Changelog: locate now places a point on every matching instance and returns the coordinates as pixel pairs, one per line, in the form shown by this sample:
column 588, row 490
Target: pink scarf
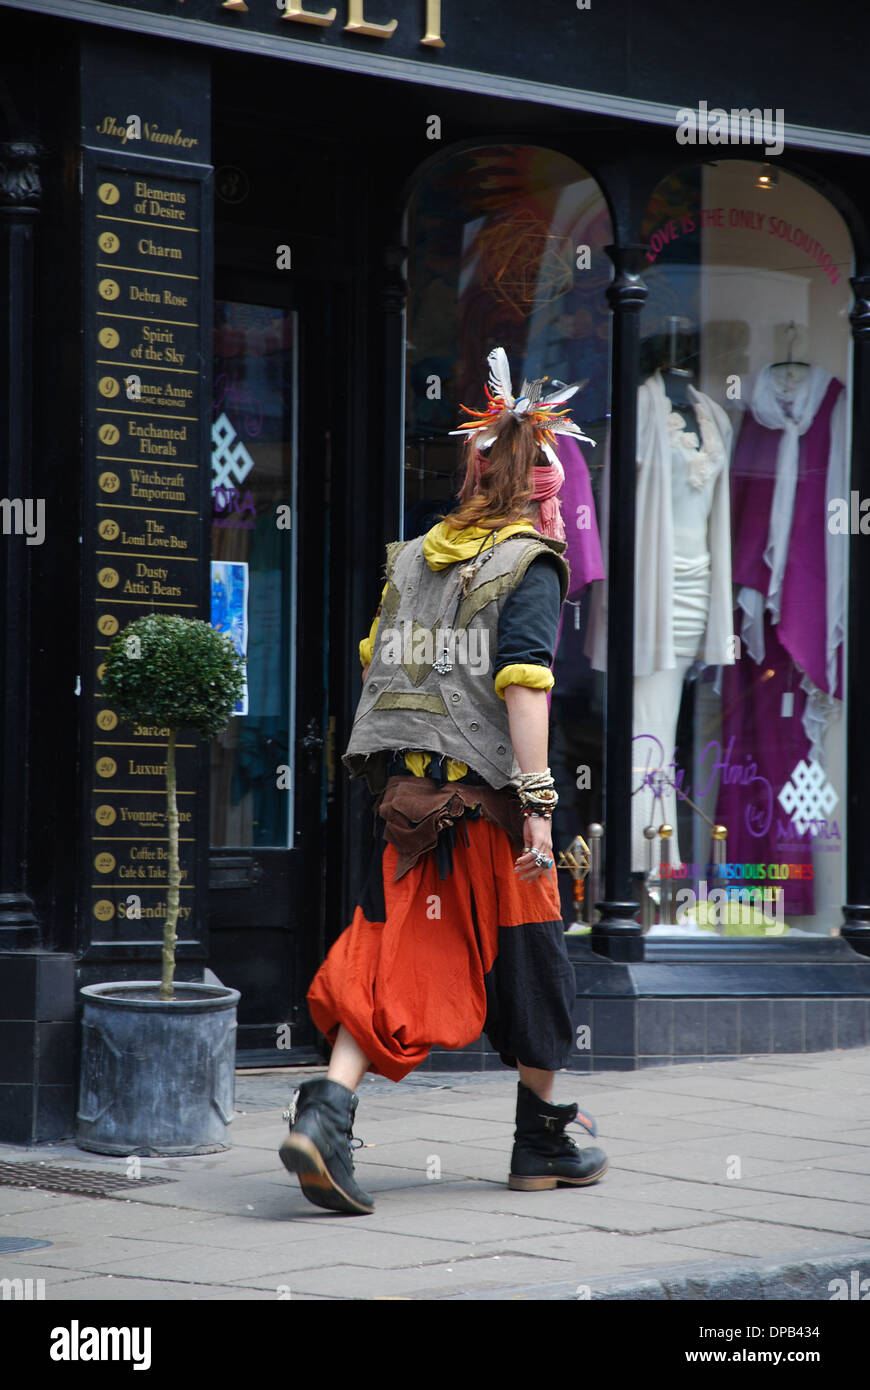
column 548, row 482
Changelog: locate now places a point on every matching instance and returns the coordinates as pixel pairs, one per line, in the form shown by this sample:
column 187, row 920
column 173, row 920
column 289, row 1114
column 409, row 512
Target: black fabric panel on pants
column 371, row 899
column 530, row 997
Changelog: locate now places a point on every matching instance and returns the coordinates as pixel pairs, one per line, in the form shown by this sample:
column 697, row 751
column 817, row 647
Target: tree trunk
column 169, row 936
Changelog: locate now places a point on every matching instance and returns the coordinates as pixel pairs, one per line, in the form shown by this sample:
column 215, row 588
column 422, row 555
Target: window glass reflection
column 741, row 559
column 252, row 572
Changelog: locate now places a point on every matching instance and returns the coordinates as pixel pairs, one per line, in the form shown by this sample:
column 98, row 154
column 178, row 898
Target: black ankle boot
column 543, row 1155
column 318, row 1148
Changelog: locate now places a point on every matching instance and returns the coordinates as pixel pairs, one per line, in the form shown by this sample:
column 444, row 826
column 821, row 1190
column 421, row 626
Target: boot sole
column 518, row 1184
column 300, row 1156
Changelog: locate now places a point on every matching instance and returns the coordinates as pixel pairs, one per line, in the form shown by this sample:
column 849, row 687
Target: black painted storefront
column 325, row 132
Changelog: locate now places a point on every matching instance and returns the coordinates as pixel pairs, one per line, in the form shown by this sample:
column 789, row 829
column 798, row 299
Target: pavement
column 743, row 1179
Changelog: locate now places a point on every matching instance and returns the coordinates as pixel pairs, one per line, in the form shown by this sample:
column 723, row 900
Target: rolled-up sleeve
column 527, row 629
column 367, row 645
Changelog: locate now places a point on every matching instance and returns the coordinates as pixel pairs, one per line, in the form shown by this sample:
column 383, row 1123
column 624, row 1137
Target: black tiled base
column 38, row 1048
column 627, row 1034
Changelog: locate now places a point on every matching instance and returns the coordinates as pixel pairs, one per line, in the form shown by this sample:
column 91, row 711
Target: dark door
column 270, row 478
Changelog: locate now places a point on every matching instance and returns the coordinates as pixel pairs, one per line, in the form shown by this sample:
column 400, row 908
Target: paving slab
column 755, row 1238
column 815, row 1181
column 112, row 1289
column 461, row 1223
column 827, row 1218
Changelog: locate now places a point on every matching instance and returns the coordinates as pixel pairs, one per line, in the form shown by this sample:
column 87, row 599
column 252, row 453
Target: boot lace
column 290, row 1112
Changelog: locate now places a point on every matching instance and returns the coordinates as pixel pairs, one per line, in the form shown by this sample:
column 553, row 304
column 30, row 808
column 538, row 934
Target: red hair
column 499, row 494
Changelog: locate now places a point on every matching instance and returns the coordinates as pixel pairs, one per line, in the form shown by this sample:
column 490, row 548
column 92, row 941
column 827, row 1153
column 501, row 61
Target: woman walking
column 458, row 929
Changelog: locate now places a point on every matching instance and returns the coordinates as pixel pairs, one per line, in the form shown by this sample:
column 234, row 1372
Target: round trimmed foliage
column 177, row 672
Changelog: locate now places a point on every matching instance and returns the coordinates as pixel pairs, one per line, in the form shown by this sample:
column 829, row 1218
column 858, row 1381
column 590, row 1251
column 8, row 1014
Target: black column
column 19, row 209
column 394, row 293
column 617, row 934
column 856, row 911
column 37, row 1034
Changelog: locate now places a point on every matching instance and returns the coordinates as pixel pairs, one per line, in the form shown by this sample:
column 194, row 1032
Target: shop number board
column 143, row 325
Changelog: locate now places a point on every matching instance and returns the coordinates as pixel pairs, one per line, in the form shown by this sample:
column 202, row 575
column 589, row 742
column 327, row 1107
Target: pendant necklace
column 467, row 573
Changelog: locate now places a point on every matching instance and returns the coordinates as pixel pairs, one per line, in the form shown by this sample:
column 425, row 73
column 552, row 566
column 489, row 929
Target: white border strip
column 410, row 70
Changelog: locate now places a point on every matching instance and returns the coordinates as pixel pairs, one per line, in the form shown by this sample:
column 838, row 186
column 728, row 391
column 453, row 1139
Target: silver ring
column 542, row 860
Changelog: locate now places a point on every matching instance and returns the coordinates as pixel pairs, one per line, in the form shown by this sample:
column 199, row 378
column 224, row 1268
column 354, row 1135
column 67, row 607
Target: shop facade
column 253, row 262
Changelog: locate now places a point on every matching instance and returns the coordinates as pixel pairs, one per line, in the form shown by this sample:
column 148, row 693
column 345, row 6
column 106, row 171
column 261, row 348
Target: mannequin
column 682, row 572
column 698, row 458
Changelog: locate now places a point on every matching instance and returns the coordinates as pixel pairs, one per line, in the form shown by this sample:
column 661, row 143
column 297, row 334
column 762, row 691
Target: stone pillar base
column 39, row 1047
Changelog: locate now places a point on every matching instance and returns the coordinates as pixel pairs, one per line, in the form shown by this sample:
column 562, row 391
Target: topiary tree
column 181, row 674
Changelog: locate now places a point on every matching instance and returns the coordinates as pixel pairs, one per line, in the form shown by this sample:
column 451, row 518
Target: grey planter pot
column 157, row 1077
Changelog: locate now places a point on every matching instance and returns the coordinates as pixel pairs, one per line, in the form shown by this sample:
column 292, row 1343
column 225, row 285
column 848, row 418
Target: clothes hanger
column 792, row 331
column 677, row 379
column 676, row 325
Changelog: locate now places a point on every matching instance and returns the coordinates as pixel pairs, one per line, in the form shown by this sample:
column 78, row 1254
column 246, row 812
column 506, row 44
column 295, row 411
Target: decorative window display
column 742, row 506
column 741, row 557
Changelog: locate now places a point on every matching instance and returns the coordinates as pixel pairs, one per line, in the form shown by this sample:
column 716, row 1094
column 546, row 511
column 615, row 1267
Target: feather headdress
column 541, row 409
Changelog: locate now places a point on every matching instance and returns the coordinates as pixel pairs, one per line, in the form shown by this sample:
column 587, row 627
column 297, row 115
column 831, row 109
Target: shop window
column 253, row 462
column 506, row 248
column 742, row 540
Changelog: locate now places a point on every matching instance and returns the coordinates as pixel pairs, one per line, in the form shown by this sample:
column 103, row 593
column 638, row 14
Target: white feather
column 500, row 376
column 559, row 396
column 568, row 427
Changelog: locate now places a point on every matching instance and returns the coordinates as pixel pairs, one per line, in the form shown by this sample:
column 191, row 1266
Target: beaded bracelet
column 544, row 798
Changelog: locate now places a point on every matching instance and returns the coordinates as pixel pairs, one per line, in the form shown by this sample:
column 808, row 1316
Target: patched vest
column 430, row 685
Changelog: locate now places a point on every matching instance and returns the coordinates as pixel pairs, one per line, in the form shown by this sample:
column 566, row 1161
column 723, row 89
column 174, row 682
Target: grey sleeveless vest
column 430, row 682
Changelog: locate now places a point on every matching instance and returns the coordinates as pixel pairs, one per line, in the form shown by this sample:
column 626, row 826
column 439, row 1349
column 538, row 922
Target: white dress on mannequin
column 695, row 468
column 682, row 582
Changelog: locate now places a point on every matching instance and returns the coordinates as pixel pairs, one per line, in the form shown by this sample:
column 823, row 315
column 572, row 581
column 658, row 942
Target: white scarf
column 793, row 415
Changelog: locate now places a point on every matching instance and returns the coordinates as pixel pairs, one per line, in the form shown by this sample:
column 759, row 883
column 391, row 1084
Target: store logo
column 739, row 126
column 230, row 505
column 808, row 797
column 230, row 461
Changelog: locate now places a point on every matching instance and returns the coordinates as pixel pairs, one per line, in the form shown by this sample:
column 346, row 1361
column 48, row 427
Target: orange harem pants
column 447, row 959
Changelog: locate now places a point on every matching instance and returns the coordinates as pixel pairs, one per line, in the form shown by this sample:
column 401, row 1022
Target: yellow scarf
column 443, row 546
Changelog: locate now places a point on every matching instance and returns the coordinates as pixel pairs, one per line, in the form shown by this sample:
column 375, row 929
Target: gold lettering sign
column 303, row 16
column 432, row 37
column 357, row 23
column 356, row 20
